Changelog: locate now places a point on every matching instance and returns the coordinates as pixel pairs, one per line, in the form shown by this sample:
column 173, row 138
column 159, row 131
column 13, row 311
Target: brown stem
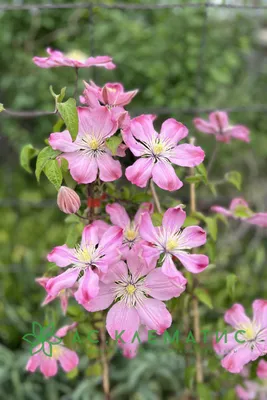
column 105, row 364
column 196, row 318
column 155, row 196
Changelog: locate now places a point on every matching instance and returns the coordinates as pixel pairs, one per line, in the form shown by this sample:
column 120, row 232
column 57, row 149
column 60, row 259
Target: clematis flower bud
column 68, row 201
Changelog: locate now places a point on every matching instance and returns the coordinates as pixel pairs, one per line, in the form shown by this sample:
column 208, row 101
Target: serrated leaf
column 231, row 280
column 1, row 107
column 69, row 114
column 203, row 296
column 26, row 154
column 212, row 227
column 113, row 144
column 45, row 155
column 53, row 172
column 235, row 178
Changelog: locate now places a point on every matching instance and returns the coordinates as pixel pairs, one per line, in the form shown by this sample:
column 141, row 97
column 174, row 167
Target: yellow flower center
column 85, row 254
column 171, row 244
column 158, row 148
column 130, row 289
column 56, row 351
column 111, row 89
column 93, row 143
column 250, row 334
column 130, row 234
column 77, row 55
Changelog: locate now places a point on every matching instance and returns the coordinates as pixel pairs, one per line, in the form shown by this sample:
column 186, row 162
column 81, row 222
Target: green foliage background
column 162, row 53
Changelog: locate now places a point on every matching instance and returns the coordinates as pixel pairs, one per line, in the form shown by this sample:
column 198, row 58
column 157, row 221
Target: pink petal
column 62, row 281
column 238, row 357
column 103, row 300
column 126, row 97
column 144, row 207
column 122, row 317
column 96, row 121
column 221, row 210
column 236, row 316
column 33, row 363
column 64, row 299
column 169, row 268
column 219, row 119
column 221, row 347
column 187, row 155
column 111, row 239
column 161, row 287
column 194, row 263
column 118, row 215
column 147, row 229
column 136, row 148
column 62, row 141
column 140, row 172
column 154, row 314
column 116, row 272
column 173, row 219
column 246, row 394
column 238, row 201
column 90, row 235
column 42, row 281
column 204, row 126
column 68, row 359
column 109, row 169
column 259, row 219
column 88, row 287
column 142, row 128
column 137, row 265
column 62, row 256
column 48, row 366
column 165, row 177
column 240, row 132
column 192, row 236
column 101, row 226
column 61, row 332
column 173, row 131
column 260, row 313
column 111, row 92
column 83, row 168
column 262, row 369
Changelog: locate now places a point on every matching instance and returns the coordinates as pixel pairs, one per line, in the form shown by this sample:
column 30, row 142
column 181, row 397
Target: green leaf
column 140, row 197
column 212, row 227
column 242, row 212
column 69, row 114
column 72, row 374
column 204, row 392
column 74, row 234
column 70, row 182
column 53, row 172
column 203, row 172
column 1, row 107
column 189, row 221
column 231, row 280
column 156, row 219
column 27, row 153
column 194, row 179
column 113, row 144
column 58, row 97
column 45, row 155
column 235, row 178
column 203, row 296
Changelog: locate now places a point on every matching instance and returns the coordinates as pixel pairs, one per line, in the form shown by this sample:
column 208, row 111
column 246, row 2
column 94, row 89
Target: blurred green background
column 179, row 59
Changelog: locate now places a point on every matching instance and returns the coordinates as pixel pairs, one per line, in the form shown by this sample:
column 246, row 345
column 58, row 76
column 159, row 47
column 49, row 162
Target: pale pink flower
column 157, row 152
column 75, row 59
column 254, row 390
column 68, row 359
column 249, row 341
column 94, row 254
column 138, row 291
column 88, row 154
column 68, row 200
column 170, row 241
column 119, row 217
column 219, row 126
column 63, row 295
column 239, row 209
column 130, row 348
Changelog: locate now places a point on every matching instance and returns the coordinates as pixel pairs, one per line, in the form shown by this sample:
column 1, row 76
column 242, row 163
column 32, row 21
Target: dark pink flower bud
column 68, row 201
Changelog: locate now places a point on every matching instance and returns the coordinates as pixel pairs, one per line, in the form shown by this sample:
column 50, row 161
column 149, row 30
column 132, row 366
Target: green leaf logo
column 42, row 339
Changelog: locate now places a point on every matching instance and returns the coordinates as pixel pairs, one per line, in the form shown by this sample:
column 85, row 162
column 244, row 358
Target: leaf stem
column 155, row 196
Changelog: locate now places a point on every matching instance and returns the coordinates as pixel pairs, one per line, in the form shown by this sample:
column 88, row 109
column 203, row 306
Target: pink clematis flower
column 88, row 154
column 249, row 341
column 219, row 126
column 239, row 209
column 75, row 59
column 254, row 390
column 92, row 257
column 63, row 295
column 130, row 349
column 119, row 217
column 157, row 152
column 138, row 291
column 67, row 358
column 170, row 241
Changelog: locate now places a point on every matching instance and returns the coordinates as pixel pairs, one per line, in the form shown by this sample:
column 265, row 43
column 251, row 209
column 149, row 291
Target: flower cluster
column 253, row 390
